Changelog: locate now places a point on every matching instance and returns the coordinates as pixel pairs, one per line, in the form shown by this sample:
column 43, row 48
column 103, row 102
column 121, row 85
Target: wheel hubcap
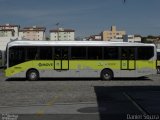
column 33, row 76
column 106, row 76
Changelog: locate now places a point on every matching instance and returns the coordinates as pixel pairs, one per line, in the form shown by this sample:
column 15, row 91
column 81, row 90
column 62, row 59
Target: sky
column 86, row 17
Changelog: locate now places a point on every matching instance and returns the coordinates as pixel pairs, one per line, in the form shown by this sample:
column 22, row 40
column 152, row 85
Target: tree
column 144, row 40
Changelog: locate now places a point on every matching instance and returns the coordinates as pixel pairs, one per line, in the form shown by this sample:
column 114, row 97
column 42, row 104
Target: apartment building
column 9, row 30
column 126, row 38
column 6, row 33
column 32, row 33
column 111, row 34
column 62, row 34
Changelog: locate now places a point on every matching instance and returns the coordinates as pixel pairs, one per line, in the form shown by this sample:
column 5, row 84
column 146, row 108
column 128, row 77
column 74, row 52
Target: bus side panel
column 90, row 68
column 82, row 68
column 145, row 67
column 93, row 68
column 23, row 67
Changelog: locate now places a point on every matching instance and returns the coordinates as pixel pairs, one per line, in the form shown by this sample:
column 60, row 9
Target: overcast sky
column 87, row 17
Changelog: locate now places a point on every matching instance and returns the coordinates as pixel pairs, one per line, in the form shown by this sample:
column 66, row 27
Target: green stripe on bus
column 77, row 65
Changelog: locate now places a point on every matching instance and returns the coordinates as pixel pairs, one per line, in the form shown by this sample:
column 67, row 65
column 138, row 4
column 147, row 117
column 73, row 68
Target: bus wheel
column 107, row 74
column 32, row 75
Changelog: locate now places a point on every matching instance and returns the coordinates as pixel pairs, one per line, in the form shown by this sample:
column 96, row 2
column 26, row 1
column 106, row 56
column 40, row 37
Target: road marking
column 40, row 112
column 51, row 102
column 135, row 104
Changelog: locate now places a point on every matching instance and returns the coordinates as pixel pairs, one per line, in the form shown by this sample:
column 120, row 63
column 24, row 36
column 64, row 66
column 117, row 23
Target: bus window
column 45, row 53
column 16, row 55
column 32, row 53
column 145, row 53
column 111, row 53
column 158, row 55
column 95, row 53
column 128, row 53
column 78, row 53
column 131, row 53
column 57, row 53
column 61, row 53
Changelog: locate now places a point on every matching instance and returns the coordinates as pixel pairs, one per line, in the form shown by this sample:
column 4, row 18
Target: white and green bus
column 87, row 59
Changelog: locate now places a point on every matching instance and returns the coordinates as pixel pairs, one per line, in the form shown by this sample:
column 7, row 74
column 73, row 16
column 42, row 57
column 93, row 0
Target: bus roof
column 73, row 43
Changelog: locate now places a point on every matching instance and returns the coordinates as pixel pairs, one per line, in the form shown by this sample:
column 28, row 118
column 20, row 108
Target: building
column 9, row 30
column 4, row 41
column 32, row 33
column 111, row 34
column 95, row 38
column 126, row 38
column 62, row 34
column 6, row 33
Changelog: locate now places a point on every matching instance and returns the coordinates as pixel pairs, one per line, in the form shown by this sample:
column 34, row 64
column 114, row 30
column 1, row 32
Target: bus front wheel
column 32, row 75
column 107, row 74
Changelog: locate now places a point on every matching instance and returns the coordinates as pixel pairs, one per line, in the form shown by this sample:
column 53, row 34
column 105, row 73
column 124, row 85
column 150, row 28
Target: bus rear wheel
column 32, row 75
column 107, row 74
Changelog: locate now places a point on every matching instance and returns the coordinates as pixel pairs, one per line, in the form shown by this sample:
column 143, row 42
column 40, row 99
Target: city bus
column 79, row 59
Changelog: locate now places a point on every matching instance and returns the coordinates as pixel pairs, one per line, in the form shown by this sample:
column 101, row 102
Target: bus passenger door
column 128, row 58
column 61, row 61
column 65, row 60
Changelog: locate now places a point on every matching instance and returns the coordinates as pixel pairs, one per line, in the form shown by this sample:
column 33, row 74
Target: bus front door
column 128, row 58
column 61, row 61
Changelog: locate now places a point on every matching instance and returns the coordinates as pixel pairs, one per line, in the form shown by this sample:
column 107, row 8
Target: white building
column 126, row 38
column 62, row 34
column 9, row 30
column 4, row 41
column 32, row 33
column 7, row 33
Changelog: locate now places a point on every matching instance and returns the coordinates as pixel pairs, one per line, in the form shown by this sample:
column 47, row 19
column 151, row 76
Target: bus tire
column 107, row 74
column 32, row 75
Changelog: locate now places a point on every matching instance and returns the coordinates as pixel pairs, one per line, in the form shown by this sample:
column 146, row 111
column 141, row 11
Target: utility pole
column 57, row 24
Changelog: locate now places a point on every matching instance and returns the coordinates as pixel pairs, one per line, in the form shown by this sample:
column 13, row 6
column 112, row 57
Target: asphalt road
column 77, row 99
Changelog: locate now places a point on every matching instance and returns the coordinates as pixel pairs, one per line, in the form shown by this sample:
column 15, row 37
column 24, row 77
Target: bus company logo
column 45, row 64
